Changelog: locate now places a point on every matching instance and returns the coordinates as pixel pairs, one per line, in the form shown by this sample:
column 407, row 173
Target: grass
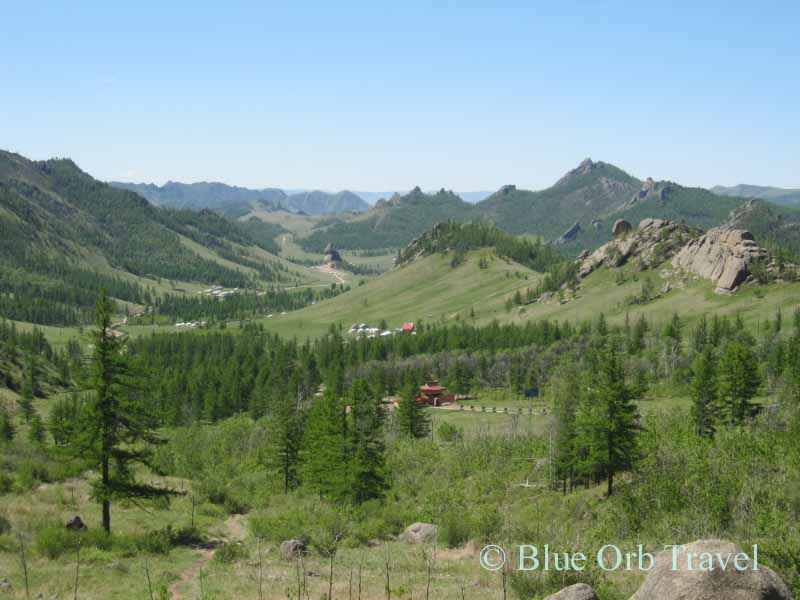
column 428, row 289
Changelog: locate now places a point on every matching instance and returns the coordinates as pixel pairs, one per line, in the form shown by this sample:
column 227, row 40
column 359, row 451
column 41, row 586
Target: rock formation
column 579, row 591
column 291, row 549
column 332, row 256
column 621, row 228
column 721, row 255
column 570, row 234
column 665, row 583
column 419, row 533
column 652, row 242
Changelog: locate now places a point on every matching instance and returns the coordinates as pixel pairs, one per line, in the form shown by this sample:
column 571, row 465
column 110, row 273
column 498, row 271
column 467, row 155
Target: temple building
column 434, row 394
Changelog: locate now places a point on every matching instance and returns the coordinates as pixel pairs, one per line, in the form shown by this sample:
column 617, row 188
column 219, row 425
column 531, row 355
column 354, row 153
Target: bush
column 53, row 540
column 454, row 530
column 230, row 553
column 5, row 526
column 449, row 433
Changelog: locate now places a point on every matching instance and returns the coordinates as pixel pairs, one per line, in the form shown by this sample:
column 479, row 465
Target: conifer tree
column 739, row 381
column 36, row 433
column 704, row 393
column 564, row 392
column 116, row 431
column 7, row 429
column 366, row 454
column 412, row 418
column 324, row 448
column 29, row 388
column 607, row 422
column 286, row 432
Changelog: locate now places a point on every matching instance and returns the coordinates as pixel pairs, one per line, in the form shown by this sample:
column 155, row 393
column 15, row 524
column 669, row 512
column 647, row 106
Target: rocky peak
column 586, row 167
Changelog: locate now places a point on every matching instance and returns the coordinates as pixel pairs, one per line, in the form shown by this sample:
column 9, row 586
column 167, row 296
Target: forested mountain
column 591, row 191
column 66, row 236
column 232, row 199
column 392, row 223
column 787, row 197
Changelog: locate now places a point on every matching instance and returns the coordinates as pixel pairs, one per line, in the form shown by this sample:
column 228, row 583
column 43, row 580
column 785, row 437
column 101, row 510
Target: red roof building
column 408, row 327
column 434, row 394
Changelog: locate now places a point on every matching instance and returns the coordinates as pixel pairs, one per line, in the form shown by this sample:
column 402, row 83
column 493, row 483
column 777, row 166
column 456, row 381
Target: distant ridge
column 786, row 197
column 234, row 200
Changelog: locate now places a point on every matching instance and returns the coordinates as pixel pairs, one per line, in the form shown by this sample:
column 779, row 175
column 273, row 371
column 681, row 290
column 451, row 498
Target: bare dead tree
column 23, row 559
column 260, row 570
column 350, row 585
column 146, row 568
column 387, row 563
column 430, row 557
column 77, row 568
column 360, row 564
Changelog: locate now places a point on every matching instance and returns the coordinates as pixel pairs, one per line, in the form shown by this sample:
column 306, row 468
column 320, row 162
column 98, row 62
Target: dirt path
column 331, row 271
column 234, row 532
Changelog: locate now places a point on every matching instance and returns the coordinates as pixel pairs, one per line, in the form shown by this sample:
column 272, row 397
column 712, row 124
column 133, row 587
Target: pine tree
column 116, row 431
column 286, row 432
column 29, row 389
column 324, row 448
column 36, row 433
column 367, row 477
column 412, row 418
column 739, row 381
column 564, row 392
column 607, row 423
column 7, row 429
column 704, row 393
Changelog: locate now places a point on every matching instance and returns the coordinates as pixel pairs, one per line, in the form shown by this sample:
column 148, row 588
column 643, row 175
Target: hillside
column 783, row 196
column 391, row 223
column 427, row 289
column 66, row 236
column 591, row 191
column 234, row 200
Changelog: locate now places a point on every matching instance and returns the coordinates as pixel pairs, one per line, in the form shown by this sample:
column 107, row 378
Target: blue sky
column 382, row 96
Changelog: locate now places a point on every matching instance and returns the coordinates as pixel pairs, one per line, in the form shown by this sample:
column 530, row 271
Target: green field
column 426, row 290
column 430, row 290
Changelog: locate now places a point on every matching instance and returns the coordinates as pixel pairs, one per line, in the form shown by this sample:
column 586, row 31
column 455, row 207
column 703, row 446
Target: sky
column 389, row 95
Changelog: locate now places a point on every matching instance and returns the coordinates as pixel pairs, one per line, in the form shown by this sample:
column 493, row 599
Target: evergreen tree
column 324, row 452
column 286, row 432
column 704, row 393
column 606, row 423
column 29, row 388
column 7, row 429
column 412, row 418
column 36, row 433
column 564, row 391
column 367, row 477
column 116, row 431
column 739, row 381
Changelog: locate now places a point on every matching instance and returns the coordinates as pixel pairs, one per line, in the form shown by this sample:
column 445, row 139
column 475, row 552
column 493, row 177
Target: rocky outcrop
column 76, row 524
column 671, row 579
column 570, row 234
column 653, row 241
column 621, row 228
column 419, row 533
column 291, row 549
column 722, row 255
column 579, row 591
column 332, row 256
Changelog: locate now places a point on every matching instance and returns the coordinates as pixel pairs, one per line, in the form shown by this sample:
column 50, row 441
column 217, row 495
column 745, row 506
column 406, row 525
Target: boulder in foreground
column 664, row 583
column 579, row 591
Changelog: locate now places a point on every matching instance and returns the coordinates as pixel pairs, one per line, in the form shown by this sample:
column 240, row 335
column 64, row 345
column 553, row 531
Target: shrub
column 53, row 540
column 230, row 553
column 449, row 433
column 5, row 526
column 454, row 529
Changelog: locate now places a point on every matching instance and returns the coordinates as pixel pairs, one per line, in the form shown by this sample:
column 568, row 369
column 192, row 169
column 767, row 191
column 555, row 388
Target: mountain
column 318, row 203
column 391, row 223
column 786, row 197
column 593, row 190
column 236, row 201
column 372, row 197
column 578, row 211
column 67, row 235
